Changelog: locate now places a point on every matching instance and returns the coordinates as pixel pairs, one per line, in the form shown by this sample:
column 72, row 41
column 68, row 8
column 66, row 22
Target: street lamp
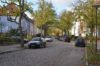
column 96, row 5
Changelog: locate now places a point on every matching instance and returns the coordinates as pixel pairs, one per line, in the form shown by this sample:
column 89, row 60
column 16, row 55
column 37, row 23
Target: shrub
column 92, row 56
column 6, row 41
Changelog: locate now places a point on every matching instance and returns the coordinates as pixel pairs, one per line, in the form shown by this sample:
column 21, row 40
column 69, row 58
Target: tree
column 89, row 17
column 66, row 20
column 21, row 7
column 45, row 13
column 87, row 11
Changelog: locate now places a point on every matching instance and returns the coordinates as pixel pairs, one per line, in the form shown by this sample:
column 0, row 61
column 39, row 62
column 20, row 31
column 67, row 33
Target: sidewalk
column 98, row 46
column 8, row 49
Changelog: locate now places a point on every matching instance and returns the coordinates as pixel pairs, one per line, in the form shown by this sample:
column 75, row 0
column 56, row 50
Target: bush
column 98, row 37
column 6, row 41
column 92, row 56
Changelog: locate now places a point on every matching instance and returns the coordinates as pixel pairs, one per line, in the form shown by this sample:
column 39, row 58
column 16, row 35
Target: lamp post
column 96, row 5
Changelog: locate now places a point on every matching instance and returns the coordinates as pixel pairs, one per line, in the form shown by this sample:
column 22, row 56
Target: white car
column 48, row 39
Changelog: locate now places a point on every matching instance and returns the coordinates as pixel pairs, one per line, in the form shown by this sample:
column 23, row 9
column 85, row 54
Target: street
column 55, row 54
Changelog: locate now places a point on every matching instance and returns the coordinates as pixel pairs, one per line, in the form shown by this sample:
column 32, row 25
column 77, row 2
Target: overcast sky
column 59, row 5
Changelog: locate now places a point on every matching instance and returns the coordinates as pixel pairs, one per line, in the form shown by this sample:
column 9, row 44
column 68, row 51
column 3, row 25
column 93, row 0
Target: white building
column 76, row 29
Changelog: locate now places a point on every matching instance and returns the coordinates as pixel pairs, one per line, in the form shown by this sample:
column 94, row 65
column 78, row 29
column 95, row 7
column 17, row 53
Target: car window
column 36, row 39
column 43, row 39
column 49, row 37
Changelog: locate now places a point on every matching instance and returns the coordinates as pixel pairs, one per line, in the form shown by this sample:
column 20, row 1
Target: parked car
column 67, row 39
column 80, row 42
column 37, row 42
column 60, row 38
column 48, row 39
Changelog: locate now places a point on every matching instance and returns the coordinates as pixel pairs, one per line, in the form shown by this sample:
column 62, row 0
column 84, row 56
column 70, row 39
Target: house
column 79, row 27
column 28, row 25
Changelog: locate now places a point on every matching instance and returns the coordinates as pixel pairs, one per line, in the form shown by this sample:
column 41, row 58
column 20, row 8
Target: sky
column 59, row 5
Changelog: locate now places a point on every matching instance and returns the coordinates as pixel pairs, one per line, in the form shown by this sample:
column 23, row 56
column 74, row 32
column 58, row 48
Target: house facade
column 28, row 26
column 79, row 27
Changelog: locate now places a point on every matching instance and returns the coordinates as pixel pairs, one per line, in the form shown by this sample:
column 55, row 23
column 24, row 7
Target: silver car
column 37, row 42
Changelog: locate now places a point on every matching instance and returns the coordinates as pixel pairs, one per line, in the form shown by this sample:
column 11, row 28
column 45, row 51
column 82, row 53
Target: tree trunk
column 45, row 30
column 64, row 32
column 20, row 26
column 21, row 32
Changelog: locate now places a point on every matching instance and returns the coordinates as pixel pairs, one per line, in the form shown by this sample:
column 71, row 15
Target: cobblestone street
column 55, row 54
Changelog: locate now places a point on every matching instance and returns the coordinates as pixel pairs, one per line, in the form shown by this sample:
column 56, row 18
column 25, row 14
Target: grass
column 92, row 56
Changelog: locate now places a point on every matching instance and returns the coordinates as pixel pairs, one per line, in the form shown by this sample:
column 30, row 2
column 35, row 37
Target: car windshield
column 36, row 39
column 48, row 37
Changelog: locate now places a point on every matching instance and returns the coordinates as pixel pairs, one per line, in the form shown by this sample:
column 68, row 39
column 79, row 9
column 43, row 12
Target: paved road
column 56, row 54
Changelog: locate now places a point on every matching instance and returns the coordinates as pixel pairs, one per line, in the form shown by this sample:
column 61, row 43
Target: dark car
column 66, row 39
column 80, row 42
column 37, row 42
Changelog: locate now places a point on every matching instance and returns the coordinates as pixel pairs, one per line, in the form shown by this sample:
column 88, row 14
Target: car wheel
column 40, row 46
column 29, row 46
column 44, row 45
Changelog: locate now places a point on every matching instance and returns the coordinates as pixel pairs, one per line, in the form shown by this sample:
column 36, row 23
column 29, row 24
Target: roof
column 27, row 18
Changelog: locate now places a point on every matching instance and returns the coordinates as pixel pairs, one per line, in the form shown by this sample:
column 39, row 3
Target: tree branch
column 4, row 1
column 8, row 2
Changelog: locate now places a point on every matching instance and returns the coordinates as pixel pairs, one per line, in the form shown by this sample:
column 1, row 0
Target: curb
column 10, row 51
column 86, row 63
